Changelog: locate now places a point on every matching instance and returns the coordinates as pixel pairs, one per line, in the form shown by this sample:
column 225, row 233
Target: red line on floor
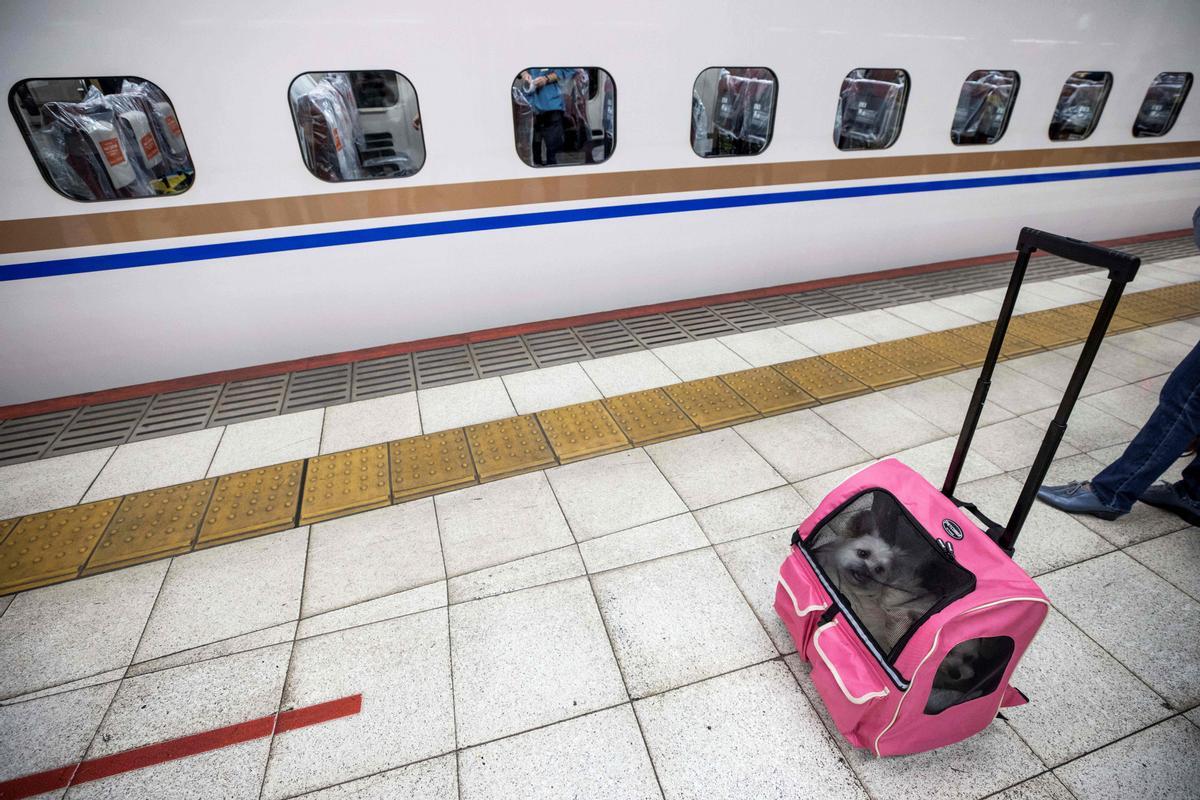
column 332, row 359
column 174, row 749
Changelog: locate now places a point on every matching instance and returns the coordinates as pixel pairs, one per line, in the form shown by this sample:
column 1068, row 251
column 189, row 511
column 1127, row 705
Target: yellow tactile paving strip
column 54, row 546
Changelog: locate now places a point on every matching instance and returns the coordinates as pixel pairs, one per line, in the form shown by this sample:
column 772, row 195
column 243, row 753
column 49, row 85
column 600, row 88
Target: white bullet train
column 197, row 187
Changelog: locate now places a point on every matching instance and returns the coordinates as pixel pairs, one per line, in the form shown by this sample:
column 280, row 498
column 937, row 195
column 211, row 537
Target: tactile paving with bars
column 649, row 416
column 508, row 447
column 152, row 524
column 251, row 503
column 429, row 464
column 53, row 545
column 710, row 403
column 345, row 483
column 768, row 391
column 581, row 431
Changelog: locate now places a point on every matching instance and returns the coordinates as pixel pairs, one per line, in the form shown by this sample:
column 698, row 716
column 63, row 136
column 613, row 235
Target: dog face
column 866, row 554
column 958, row 667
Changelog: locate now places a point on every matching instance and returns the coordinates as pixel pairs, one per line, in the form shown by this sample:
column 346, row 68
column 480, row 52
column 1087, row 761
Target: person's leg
column 1190, row 485
column 539, row 136
column 1168, row 432
column 554, row 136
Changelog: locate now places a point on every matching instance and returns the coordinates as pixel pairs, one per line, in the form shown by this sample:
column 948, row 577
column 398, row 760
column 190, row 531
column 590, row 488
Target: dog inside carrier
column 904, row 598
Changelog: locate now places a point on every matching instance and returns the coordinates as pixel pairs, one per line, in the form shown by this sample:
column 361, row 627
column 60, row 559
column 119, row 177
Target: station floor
column 604, row 628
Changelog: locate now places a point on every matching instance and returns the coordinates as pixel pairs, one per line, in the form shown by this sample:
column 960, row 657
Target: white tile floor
column 605, row 629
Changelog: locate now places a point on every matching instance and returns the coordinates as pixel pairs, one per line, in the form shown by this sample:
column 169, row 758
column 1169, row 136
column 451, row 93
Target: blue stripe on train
column 277, row 244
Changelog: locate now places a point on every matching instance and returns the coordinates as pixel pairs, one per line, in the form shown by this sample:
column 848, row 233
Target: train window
column 1079, row 106
column 1164, row 99
column 355, row 126
column 870, row 109
column 564, row 116
column 103, row 138
column 984, row 106
column 733, row 111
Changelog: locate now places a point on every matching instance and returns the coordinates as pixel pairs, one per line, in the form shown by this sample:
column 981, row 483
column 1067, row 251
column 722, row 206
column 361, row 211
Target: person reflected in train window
column 543, row 89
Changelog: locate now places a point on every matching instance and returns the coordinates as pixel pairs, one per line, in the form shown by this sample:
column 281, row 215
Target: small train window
column 733, row 111
column 984, row 106
column 103, row 138
column 1079, row 106
column 870, row 109
column 1164, row 100
column 564, row 116
column 355, row 126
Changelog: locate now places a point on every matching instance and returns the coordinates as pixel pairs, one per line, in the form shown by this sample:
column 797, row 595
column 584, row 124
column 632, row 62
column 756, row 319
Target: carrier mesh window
column 971, row 670
column 889, row 571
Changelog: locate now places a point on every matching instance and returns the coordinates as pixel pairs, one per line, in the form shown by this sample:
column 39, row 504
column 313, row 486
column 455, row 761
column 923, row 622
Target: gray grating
column 314, row 388
column 25, row 439
column 250, row 399
column 177, row 412
column 501, row 356
column 701, row 323
column 56, row 433
column 104, row 425
column 380, row 376
column 607, row 338
column 656, row 330
column 443, row 366
column 744, row 316
column 555, row 347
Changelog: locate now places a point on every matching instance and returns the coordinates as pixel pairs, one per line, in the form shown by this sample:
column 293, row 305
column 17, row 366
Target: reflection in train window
column 733, row 111
column 564, row 116
column 357, row 125
column 103, row 138
column 1164, row 99
column 984, row 106
column 870, row 109
column 1079, row 106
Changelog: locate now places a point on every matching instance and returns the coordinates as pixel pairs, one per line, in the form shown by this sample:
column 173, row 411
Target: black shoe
column 1167, row 496
column 1076, row 498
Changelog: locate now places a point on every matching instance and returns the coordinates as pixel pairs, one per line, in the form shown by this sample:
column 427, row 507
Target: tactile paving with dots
column 152, row 524
column 1148, row 308
column 1184, row 294
column 344, row 483
column 710, row 403
column 1082, row 318
column 768, row 391
column 582, row 431
column 871, row 368
column 6, row 526
column 52, row 546
column 1044, row 329
column 508, row 447
column 1012, row 346
column 913, row 357
column 949, row 344
column 649, row 416
column 822, row 379
column 425, row 465
column 251, row 503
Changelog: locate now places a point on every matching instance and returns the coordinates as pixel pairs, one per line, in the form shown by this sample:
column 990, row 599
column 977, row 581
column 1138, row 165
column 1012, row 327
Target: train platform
column 558, row 581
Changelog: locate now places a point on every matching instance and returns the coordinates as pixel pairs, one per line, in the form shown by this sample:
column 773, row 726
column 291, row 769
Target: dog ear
column 859, row 524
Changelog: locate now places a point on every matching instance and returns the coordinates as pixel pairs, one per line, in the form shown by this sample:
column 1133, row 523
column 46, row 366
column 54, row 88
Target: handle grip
column 1121, row 267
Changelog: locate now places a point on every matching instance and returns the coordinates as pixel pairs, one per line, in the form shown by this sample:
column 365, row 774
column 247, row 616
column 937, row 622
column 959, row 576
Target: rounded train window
column 358, row 125
column 1080, row 104
column 564, row 116
column 870, row 109
column 733, row 111
column 984, row 106
column 1164, row 100
column 110, row 138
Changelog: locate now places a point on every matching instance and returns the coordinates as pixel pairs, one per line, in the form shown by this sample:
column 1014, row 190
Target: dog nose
column 955, row 674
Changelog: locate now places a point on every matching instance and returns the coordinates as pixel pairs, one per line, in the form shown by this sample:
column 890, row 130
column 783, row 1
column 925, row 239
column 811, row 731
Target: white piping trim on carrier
column 795, row 604
column 858, row 701
column 913, row 681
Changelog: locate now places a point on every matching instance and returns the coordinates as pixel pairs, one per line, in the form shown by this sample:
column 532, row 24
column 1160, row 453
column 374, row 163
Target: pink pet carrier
column 912, row 615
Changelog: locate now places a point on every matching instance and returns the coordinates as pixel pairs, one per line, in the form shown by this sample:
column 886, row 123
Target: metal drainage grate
column 314, row 388
column 501, row 356
column 100, row 426
column 701, row 323
column 745, row 316
column 655, row 330
column 607, row 338
column 177, row 412
column 444, row 366
column 250, row 399
column 25, row 439
column 556, row 347
column 380, row 376
column 785, row 309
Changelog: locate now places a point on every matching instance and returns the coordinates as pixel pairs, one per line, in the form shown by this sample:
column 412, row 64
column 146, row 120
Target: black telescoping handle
column 1122, row 268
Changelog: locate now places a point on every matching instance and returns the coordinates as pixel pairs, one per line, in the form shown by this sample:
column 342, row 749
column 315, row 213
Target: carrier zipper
column 828, row 614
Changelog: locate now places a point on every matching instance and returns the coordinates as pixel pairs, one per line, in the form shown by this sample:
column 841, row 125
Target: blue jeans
column 1168, row 432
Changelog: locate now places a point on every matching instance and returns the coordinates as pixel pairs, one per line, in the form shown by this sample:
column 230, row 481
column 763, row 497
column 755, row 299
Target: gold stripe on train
column 112, row 227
